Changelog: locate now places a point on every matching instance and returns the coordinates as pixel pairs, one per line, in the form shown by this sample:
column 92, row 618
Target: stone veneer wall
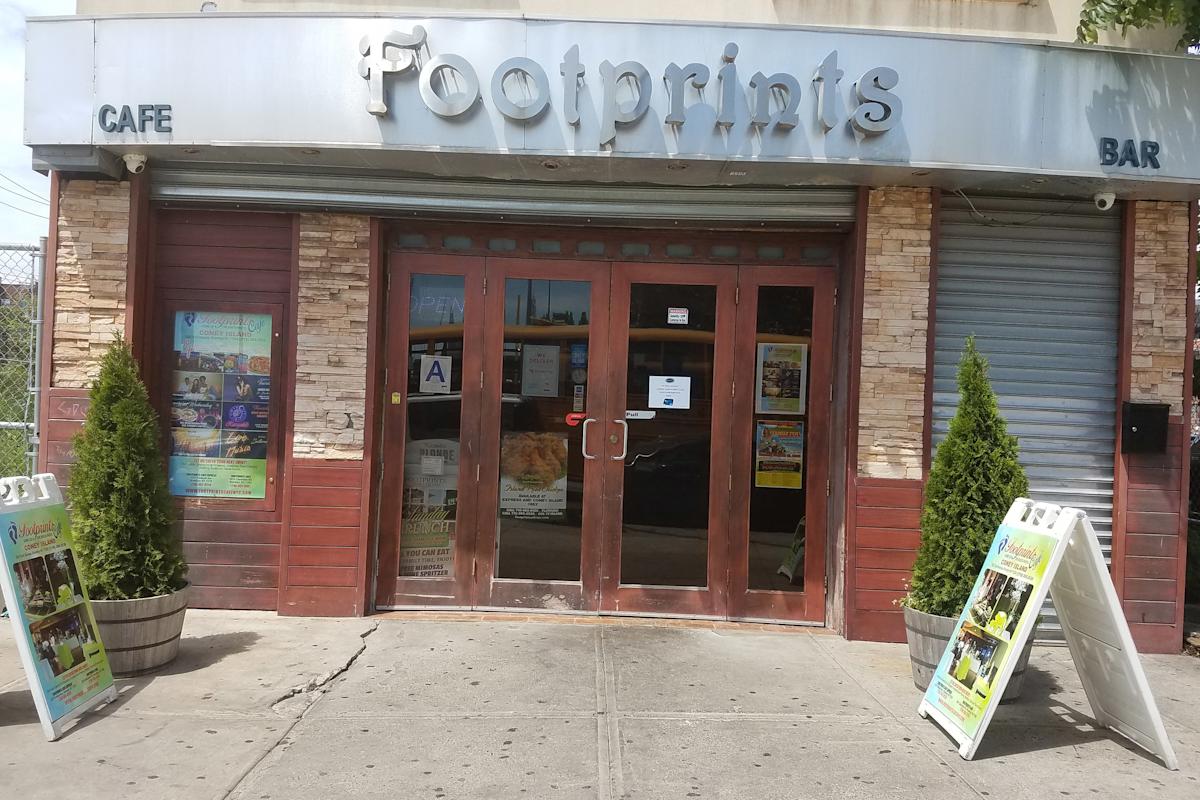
column 891, row 414
column 89, row 274
column 331, row 344
column 1160, row 296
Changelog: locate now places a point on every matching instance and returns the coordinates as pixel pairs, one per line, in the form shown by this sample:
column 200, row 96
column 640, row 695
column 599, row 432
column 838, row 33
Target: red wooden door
column 666, row 440
column 780, row 429
column 431, row 425
column 545, row 393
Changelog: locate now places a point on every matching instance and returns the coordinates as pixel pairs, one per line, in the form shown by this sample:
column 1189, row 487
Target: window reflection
column 541, row 462
column 778, row 489
column 664, row 514
column 429, row 510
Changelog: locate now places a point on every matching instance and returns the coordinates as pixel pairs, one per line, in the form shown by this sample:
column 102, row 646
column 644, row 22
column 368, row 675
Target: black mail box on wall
column 1144, row 427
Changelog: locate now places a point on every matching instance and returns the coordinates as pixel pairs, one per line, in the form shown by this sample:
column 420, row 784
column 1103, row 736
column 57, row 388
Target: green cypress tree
column 974, row 479
column 121, row 511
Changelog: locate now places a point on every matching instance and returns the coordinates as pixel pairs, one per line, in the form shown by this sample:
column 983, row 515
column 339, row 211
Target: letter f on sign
column 375, row 62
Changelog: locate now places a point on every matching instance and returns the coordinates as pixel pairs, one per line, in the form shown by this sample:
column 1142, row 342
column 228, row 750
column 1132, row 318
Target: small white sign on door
column 539, row 370
column 677, row 316
column 670, row 391
column 435, row 374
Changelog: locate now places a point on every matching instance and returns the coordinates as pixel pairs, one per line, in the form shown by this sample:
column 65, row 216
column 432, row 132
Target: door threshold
column 615, row 619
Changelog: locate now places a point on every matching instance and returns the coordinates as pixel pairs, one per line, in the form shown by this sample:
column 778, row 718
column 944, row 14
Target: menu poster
column 220, row 405
column 997, row 612
column 429, row 508
column 533, row 475
column 65, row 663
column 779, row 455
column 781, row 379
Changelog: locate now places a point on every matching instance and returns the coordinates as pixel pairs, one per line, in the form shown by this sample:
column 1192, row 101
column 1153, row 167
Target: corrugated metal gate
column 1038, row 283
column 512, row 201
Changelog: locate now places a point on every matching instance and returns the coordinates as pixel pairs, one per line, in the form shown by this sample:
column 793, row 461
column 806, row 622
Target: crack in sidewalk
column 321, row 681
column 316, row 685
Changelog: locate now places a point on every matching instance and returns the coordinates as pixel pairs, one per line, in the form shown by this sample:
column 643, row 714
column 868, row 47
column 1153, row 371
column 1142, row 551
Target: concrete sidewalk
column 264, row 707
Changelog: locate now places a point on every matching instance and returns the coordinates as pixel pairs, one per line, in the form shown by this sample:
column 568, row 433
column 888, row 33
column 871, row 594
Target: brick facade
column 891, row 413
column 331, row 346
column 1160, row 296
column 91, row 264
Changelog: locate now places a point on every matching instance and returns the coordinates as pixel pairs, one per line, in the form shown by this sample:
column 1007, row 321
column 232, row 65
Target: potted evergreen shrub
column 122, row 521
column 974, row 479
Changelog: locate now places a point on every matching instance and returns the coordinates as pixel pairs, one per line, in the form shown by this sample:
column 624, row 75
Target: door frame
column 490, row 592
column 712, row 599
column 391, row 590
column 761, row 605
column 399, row 262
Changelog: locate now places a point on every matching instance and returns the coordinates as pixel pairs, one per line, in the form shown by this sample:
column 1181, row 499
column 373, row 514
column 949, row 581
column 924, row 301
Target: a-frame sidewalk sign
column 1041, row 548
column 56, row 635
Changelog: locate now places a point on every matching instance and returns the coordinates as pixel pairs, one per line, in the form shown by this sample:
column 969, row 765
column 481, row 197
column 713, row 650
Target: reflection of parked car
column 666, row 483
column 439, row 416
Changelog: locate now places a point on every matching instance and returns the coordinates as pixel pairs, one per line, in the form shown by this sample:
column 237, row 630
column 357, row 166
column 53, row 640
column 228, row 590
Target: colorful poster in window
column 997, row 611
column 779, row 455
column 429, row 509
column 533, row 476
column 65, row 662
column 220, row 391
column 781, row 378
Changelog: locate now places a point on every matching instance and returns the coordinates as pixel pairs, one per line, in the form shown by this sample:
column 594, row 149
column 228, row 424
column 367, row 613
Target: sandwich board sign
column 64, row 660
column 1041, row 548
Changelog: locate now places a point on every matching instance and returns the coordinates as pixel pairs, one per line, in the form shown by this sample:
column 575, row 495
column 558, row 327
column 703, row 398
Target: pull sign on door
column 435, row 374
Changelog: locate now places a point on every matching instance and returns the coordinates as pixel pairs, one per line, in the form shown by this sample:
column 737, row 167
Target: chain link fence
column 20, row 278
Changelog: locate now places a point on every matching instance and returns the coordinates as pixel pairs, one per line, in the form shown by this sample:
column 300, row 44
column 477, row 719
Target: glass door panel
column 433, row 435
column 783, row 343
column 430, row 424
column 668, row 411
column 668, row 437
column 544, row 382
column 780, row 443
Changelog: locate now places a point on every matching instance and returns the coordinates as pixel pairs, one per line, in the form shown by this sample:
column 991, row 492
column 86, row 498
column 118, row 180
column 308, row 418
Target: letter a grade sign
column 1042, row 548
column 435, row 374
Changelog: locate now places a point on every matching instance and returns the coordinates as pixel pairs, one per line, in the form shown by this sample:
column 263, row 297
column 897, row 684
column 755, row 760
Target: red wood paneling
column 226, row 256
column 232, row 531
column 1150, row 589
column 1148, row 544
column 65, row 410
column 252, row 555
column 885, row 536
column 1148, row 563
column 1149, row 612
column 1165, row 501
column 232, row 598
column 325, row 536
column 1158, row 568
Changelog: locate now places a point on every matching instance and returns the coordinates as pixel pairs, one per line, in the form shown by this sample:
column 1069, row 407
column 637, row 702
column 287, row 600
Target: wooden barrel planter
column 141, row 635
column 929, row 635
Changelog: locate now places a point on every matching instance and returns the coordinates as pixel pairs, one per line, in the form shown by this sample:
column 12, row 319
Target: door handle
column 624, row 440
column 586, row 454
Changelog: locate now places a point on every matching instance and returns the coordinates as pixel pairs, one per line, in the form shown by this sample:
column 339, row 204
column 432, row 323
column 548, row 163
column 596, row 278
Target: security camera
column 134, row 162
column 1104, row 200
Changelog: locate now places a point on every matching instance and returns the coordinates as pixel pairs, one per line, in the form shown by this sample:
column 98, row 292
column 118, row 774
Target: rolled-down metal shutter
column 1038, row 284
column 612, row 204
